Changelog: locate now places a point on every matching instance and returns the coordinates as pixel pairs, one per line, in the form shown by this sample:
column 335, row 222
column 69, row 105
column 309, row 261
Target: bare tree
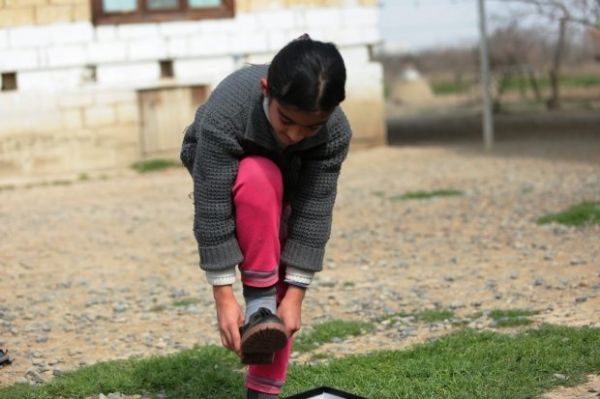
column 582, row 12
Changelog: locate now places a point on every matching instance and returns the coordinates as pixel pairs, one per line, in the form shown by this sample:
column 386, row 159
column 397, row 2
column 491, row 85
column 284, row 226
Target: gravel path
column 106, row 269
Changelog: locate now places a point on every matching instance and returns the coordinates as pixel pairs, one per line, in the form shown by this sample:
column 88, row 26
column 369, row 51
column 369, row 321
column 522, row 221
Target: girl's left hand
column 290, row 309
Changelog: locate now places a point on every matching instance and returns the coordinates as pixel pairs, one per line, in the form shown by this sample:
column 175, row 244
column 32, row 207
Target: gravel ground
column 99, row 269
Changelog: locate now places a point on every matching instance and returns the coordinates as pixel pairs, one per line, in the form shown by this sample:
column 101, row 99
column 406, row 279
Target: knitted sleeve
column 312, row 205
column 215, row 167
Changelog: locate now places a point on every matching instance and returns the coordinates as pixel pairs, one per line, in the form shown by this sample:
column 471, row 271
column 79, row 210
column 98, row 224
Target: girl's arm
column 312, row 206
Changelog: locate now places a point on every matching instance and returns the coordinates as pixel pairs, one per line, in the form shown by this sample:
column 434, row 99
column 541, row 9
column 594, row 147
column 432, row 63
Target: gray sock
column 257, row 298
column 252, row 394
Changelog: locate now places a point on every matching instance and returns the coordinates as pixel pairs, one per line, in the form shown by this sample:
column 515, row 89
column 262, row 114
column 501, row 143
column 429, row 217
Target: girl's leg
column 269, row 378
column 257, row 195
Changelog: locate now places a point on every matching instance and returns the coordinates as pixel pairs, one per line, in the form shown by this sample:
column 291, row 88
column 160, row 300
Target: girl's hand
column 229, row 316
column 290, row 309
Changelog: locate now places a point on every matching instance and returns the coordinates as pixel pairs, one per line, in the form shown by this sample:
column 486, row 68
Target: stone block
column 137, row 31
column 106, row 33
column 210, row 45
column 177, row 47
column 250, row 42
column 99, row 115
column 355, row 55
column 323, row 18
column 58, row 56
column 11, row 60
column 128, row 74
column 277, row 39
column 28, row 36
column 146, row 49
column 178, row 28
column 45, row 15
column 77, row 32
column 113, row 97
column 204, row 71
column 128, row 113
column 72, row 119
column 3, row 38
column 24, row 3
column 82, row 12
column 51, row 80
column 98, row 52
column 356, row 17
column 247, row 21
column 16, row 17
column 76, row 99
column 65, row 2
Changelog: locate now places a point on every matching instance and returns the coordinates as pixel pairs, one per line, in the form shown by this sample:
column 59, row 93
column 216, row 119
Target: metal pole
column 488, row 123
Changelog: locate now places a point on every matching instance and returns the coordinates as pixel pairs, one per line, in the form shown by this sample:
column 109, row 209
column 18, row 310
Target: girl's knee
column 258, row 179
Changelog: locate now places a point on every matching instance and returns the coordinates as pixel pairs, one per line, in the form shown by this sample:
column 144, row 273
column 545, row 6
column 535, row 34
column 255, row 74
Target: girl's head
column 304, row 84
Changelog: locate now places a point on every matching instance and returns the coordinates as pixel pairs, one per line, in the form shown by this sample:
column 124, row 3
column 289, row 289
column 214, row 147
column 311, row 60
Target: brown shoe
column 262, row 336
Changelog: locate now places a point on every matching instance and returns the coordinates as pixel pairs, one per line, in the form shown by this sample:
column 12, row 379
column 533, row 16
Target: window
column 132, row 11
column 9, row 81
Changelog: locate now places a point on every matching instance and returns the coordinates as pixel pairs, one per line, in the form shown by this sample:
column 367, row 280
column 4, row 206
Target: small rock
column 514, row 275
column 41, row 339
column 560, row 376
column 56, row 372
column 34, row 375
column 577, row 261
column 120, row 307
column 581, row 299
column 537, row 281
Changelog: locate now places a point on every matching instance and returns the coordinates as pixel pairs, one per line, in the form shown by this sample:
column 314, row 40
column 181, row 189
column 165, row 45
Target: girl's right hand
column 229, row 316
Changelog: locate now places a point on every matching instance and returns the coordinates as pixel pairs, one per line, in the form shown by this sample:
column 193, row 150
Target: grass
column 153, row 165
column 185, row 302
column 429, row 316
column 577, row 215
column 517, row 83
column 466, row 364
column 426, row 194
column 511, row 318
column 328, row 331
column 435, row 315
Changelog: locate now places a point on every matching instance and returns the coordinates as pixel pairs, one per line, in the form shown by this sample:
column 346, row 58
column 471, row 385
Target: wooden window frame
column 144, row 15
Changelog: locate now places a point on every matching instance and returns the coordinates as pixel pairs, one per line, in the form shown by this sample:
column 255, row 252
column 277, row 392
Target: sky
column 418, row 24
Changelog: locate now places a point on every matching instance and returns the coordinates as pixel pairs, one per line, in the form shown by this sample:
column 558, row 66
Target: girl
column 265, row 152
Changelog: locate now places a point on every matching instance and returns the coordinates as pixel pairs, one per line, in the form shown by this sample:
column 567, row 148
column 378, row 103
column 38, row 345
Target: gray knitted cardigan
column 231, row 124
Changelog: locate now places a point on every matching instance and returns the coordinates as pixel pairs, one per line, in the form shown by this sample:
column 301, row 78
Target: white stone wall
column 58, row 96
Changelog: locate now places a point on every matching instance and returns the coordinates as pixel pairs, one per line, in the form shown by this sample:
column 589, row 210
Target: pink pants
column 258, row 200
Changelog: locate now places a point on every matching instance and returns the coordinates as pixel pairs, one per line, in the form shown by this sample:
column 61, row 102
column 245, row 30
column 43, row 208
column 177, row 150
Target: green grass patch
column 511, row 317
column 153, row 165
column 449, row 87
column 466, row 364
column 511, row 313
column 435, row 315
column 327, row 331
column 577, row 215
column 205, row 372
column 426, row 194
column 186, row 302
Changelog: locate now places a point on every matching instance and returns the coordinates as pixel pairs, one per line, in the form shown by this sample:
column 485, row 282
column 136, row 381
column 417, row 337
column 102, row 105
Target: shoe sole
column 264, row 339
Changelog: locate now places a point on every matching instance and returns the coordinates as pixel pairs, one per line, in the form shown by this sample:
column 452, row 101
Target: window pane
column 204, row 3
column 163, row 4
column 119, row 5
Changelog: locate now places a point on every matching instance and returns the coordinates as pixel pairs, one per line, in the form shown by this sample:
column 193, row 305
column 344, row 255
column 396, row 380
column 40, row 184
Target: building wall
column 76, row 107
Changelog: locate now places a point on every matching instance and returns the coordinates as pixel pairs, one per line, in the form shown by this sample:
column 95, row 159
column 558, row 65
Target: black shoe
column 262, row 336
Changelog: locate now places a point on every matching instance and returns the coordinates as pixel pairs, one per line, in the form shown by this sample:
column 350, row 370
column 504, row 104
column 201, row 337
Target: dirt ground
column 98, row 269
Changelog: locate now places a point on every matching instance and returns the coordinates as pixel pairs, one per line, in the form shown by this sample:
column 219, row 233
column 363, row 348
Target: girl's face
column 290, row 124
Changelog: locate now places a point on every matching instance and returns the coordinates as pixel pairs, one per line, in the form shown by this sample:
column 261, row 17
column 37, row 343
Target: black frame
column 317, row 391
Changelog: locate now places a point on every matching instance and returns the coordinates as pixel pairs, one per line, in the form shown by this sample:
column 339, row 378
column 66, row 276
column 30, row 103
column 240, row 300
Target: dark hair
column 308, row 74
